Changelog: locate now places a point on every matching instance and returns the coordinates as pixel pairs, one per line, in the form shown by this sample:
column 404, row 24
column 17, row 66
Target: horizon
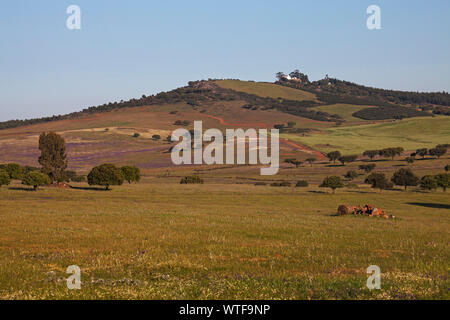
column 124, row 51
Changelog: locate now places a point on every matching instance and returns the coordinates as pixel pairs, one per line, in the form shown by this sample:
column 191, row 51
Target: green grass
column 264, row 89
column 408, row 133
column 345, row 111
column 214, row 241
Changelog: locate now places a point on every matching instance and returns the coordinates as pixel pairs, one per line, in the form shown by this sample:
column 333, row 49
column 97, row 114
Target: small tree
column 347, row 159
column 131, row 173
column 36, row 179
column 4, row 178
column 106, row 175
column 136, row 135
column 291, row 124
column 293, row 161
column 302, row 184
column 371, row 153
column 156, row 137
column 378, row 180
column 437, row 152
column 333, row 156
column 14, row 170
column 422, row 152
column 332, row 182
column 53, row 157
column 443, row 181
column 410, row 160
column 351, row 175
column 367, row 167
column 428, row 183
column 191, row 180
column 405, row 177
column 311, row 161
column 391, row 152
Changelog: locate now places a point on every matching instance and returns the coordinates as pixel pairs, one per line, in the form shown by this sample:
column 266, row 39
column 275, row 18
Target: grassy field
column 408, row 133
column 162, row 240
column 345, row 111
column 264, row 89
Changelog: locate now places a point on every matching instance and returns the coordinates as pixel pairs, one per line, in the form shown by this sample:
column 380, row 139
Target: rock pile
column 368, row 210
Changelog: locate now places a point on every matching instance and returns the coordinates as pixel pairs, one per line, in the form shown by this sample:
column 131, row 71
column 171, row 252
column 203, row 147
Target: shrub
column 4, row 178
column 136, row 135
column 131, row 173
column 332, row 182
column 410, row 160
column 105, row 175
column 447, row 168
column 405, row 177
column 191, row 180
column 281, row 184
column 302, row 184
column 260, row 184
column 156, row 137
column 35, row 179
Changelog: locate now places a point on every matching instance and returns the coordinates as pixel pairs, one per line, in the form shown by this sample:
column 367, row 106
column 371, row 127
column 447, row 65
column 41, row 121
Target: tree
column 131, row 173
column 367, row 167
column 14, row 170
column 333, row 156
column 156, row 137
column 378, row 181
column 437, row 152
column 405, row 177
column 371, row 153
column 280, row 76
column 106, row 175
column 136, row 135
column 332, row 182
column 311, row 161
column 53, row 157
column 422, row 152
column 4, row 178
column 428, row 183
column 391, row 152
column 351, row 175
column 36, row 179
column 443, row 181
column 293, row 161
column 348, row 159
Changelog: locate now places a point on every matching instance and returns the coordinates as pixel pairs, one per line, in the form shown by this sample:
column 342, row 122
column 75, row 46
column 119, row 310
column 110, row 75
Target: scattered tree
column 332, row 182
column 422, row 152
column 333, row 156
column 443, row 181
column 14, row 170
column 36, row 179
column 105, row 175
column 378, row 180
column 405, row 177
column 311, row 161
column 391, row 152
column 367, row 167
column 347, row 159
column 438, row 152
column 131, row 173
column 351, row 175
column 4, row 178
column 371, row 153
column 428, row 183
column 53, row 157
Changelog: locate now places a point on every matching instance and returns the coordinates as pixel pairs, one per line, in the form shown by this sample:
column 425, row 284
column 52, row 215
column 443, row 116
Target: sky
column 125, row 49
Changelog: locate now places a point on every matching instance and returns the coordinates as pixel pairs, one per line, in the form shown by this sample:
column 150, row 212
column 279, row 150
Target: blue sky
column 129, row 48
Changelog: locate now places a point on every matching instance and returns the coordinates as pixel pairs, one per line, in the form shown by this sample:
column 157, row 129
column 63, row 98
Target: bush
column 260, row 184
column 428, row 183
column 443, row 181
column 14, row 170
column 136, row 135
column 131, row 173
column 351, row 175
column 4, row 178
column 302, row 184
column 281, row 184
column 447, row 168
column 332, row 182
column 106, row 175
column 191, row 180
column 367, row 167
column 36, row 179
column 156, row 137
